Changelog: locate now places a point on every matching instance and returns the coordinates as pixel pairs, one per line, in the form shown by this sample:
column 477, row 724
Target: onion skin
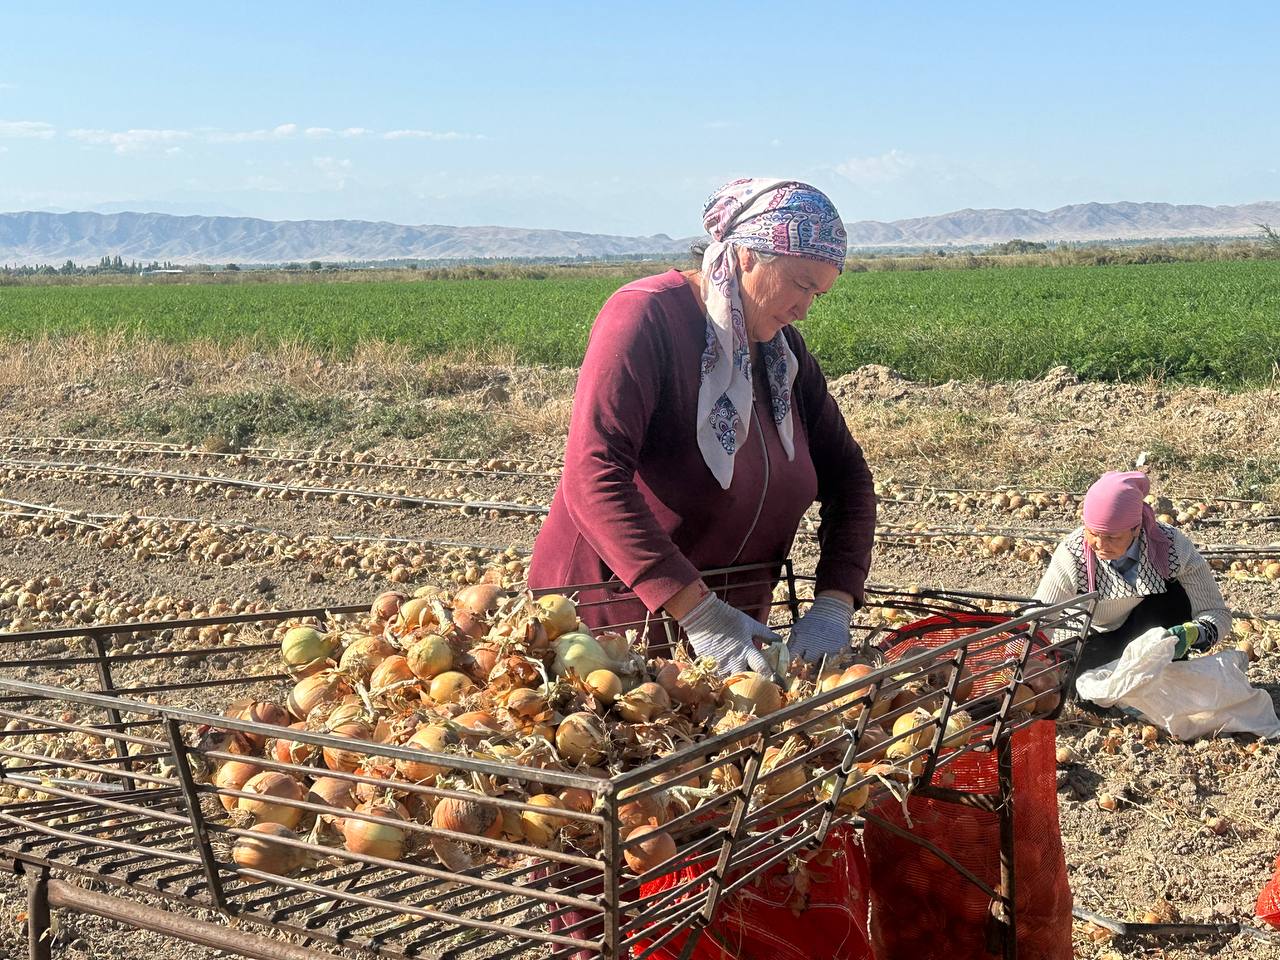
column 233, row 775
column 389, row 672
column 580, row 653
column 479, row 599
column 463, row 816
column 306, row 648
column 435, row 739
column 450, row 687
column 346, row 760
column 429, row 656
column 375, row 838
column 362, row 657
column 332, row 792
column 260, row 853
column 542, row 829
column 645, row 703
column 259, row 711
column 294, row 751
column 413, row 614
column 386, row 605
column 752, row 693
column 558, row 614
column 311, row 692
column 268, row 786
column 604, row 685
column 581, row 738
column 655, row 848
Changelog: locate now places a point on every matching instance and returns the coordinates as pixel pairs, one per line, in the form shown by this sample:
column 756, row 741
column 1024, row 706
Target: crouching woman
column 1147, row 574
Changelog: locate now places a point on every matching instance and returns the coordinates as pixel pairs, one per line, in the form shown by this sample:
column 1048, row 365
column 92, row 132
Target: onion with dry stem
column 540, row 828
column 233, row 775
column 643, row 704
column 434, row 739
column 468, row 816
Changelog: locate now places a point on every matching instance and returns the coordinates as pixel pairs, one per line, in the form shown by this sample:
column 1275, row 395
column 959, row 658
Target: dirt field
column 1197, row 826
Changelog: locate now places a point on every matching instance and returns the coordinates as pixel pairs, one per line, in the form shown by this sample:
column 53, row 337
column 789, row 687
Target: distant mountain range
column 36, row 237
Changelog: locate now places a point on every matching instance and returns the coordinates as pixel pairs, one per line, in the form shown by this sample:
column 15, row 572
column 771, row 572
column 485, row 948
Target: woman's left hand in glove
column 823, row 630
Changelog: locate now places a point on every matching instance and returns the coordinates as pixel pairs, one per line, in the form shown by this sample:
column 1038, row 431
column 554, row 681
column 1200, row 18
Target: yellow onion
column 577, row 799
column 853, row 799
column 294, row 751
column 682, row 685
column 233, row 775
column 752, row 693
column 614, row 645
column 649, row 848
column 387, row 605
column 332, row 792
column 450, row 687
column 477, row 725
column 376, row 838
column 269, row 787
column 304, row 647
column 643, row 704
column 483, row 658
column 346, row 760
column 725, row 777
column 311, row 692
column 259, row 711
column 871, row 745
column 413, row 614
column 956, row 734
column 263, row 853
column 389, row 672
column 604, row 685
column 580, row 653
column 541, row 829
column 524, row 704
column 463, row 816
column 363, row 656
column 634, row 811
column 782, row 781
column 479, row 599
column 348, row 710
column 916, row 729
column 559, row 615
column 429, row 656
column 581, row 738
column 433, row 739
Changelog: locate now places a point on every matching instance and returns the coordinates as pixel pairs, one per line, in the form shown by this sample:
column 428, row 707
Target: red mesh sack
column 920, row 907
column 818, row 912
column 1268, row 908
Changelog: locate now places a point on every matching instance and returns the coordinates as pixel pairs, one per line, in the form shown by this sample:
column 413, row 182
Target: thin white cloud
column 282, row 132
column 8, row 86
column 129, row 141
column 334, row 169
column 347, row 133
column 876, row 171
column 27, row 129
column 430, row 135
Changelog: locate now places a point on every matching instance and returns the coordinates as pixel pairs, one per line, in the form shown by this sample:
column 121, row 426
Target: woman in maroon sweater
column 702, row 430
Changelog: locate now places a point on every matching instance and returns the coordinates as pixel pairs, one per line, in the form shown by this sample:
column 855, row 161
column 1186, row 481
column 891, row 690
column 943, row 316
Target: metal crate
column 137, row 813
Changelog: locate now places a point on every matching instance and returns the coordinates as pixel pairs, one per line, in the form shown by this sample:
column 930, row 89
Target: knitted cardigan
column 1066, row 578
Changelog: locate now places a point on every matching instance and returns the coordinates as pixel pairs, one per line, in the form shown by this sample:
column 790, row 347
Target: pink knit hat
column 1115, row 503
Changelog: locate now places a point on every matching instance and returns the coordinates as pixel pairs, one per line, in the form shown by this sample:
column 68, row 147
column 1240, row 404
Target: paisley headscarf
column 782, row 217
column 1115, row 503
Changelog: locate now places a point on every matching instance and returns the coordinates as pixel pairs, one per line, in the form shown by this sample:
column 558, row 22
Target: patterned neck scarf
column 782, row 217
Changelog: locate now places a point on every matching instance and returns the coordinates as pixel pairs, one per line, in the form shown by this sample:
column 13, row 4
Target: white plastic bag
column 1189, row 698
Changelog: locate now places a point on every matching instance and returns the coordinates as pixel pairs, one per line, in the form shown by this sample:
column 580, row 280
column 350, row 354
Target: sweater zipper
column 764, row 490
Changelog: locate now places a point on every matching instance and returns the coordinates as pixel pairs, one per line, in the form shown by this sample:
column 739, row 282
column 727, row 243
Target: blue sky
column 621, row 118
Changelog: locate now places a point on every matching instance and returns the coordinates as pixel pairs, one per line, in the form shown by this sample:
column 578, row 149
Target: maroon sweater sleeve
column 619, row 387
column 846, row 492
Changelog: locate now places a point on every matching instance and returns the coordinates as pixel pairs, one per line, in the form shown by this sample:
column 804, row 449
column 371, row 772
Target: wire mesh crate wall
column 110, row 779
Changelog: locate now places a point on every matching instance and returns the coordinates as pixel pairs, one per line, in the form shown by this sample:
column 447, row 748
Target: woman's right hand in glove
column 726, row 634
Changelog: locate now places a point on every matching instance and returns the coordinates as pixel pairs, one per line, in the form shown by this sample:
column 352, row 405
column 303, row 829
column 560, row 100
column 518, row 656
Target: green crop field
column 1216, row 322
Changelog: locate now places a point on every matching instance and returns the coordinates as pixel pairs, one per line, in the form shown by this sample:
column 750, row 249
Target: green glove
column 1187, row 635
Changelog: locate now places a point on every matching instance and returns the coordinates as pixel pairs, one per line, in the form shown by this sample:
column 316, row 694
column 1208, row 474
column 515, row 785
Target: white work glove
column 723, row 632
column 823, row 631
